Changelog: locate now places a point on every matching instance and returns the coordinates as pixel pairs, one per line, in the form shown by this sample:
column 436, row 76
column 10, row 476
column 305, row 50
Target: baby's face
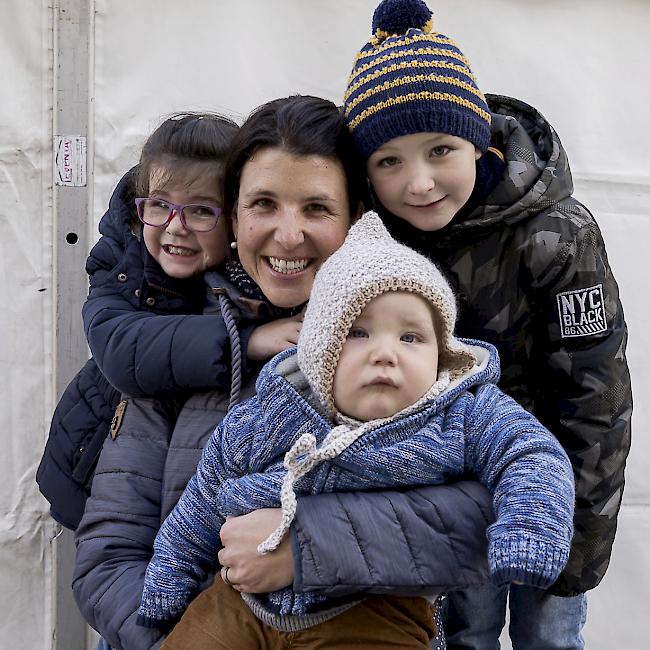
column 389, row 359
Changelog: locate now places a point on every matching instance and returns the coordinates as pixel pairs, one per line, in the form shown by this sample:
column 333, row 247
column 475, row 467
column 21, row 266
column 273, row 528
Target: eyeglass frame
column 175, row 209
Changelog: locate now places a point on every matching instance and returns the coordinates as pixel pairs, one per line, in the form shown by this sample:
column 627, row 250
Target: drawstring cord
column 303, row 456
column 235, row 349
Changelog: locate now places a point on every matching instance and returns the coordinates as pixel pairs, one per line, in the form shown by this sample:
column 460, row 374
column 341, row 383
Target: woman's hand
column 248, row 571
column 269, row 339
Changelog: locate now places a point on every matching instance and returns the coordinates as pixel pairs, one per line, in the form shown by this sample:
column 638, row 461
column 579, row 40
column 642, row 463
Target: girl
column 144, row 316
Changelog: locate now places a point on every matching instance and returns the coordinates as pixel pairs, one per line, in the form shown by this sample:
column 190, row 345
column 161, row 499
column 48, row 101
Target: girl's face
column 424, row 178
column 292, row 214
column 180, row 252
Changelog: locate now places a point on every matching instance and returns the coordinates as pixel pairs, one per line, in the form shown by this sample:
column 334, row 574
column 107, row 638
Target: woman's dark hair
column 182, row 144
column 302, row 126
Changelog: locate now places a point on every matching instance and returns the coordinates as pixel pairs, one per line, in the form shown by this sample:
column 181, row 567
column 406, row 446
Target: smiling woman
column 292, row 186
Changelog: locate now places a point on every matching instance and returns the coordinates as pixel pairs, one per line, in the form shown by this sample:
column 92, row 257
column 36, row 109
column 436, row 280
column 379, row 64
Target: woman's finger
column 226, row 576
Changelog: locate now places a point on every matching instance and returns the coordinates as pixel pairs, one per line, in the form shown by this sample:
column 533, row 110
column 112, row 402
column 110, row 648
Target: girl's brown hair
column 182, row 145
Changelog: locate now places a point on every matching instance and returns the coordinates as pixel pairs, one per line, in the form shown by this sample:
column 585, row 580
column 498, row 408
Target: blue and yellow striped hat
column 408, row 79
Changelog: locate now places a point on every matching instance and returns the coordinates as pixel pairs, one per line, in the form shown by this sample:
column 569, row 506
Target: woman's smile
column 288, row 266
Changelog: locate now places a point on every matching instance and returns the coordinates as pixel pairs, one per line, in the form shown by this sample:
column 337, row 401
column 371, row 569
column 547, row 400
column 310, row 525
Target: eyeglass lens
column 197, row 217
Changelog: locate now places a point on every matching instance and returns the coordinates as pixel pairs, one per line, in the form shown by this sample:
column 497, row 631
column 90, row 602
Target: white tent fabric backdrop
column 583, row 64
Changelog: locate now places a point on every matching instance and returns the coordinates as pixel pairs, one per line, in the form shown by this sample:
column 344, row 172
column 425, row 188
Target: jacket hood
column 282, row 384
column 537, row 173
column 119, row 220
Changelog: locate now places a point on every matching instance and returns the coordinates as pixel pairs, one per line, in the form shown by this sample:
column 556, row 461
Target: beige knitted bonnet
column 370, row 262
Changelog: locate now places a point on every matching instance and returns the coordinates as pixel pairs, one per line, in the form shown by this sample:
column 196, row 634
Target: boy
column 483, row 188
column 380, row 393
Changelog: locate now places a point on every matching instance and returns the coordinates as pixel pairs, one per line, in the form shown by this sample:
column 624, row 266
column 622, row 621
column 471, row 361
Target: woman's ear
column 477, row 153
column 233, row 219
column 359, row 212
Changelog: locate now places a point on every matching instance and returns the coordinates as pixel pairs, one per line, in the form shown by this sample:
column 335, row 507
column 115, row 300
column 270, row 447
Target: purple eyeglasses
column 159, row 213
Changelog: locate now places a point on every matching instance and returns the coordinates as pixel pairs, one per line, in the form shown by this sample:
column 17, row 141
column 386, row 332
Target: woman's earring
column 233, row 245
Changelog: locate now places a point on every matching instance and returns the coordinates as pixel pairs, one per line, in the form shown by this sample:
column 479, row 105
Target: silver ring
column 225, row 577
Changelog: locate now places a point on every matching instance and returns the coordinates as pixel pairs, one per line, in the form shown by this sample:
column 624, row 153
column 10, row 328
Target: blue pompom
column 398, row 16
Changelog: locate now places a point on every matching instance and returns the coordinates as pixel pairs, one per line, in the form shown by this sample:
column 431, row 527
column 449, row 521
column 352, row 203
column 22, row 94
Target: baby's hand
column 271, row 338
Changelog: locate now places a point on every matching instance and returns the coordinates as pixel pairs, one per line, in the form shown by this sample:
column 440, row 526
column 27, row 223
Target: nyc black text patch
column 582, row 311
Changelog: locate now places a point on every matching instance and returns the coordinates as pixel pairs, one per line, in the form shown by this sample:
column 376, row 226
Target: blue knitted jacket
column 471, row 428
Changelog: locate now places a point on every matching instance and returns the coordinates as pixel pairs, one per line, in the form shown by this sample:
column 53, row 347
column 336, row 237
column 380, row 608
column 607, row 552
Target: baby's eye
column 409, row 337
column 439, row 151
column 357, row 333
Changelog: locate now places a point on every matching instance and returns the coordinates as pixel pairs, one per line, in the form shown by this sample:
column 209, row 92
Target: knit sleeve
column 185, row 549
column 531, row 478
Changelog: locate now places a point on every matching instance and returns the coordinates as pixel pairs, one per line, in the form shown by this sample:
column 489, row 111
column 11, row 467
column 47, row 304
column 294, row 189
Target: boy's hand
column 269, row 339
column 248, row 571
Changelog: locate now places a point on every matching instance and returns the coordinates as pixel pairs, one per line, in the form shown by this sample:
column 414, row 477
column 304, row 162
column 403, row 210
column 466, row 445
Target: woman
column 293, row 188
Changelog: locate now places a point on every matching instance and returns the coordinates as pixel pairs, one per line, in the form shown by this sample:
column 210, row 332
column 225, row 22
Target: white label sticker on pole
column 70, row 160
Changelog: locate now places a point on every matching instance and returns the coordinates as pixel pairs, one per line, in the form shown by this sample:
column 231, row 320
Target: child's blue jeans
column 474, row 618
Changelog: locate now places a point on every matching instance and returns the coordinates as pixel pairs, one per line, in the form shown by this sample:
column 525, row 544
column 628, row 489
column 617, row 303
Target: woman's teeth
column 287, row 266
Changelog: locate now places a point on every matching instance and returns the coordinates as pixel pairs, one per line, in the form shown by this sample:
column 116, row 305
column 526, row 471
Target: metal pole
column 72, row 50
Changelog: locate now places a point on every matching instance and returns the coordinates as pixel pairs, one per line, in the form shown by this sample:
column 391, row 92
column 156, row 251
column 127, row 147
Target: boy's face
column 389, row 359
column 180, row 252
column 424, row 178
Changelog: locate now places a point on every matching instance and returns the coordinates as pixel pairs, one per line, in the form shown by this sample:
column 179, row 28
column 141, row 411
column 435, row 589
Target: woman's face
column 292, row 214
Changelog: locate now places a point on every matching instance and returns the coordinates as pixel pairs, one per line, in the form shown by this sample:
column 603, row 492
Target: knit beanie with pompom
column 409, row 79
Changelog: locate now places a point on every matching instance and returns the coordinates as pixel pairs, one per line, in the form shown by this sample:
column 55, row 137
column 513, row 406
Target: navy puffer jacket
column 148, row 335
column 79, row 427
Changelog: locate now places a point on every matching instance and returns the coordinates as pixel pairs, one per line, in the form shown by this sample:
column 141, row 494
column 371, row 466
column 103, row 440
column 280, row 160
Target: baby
column 379, row 393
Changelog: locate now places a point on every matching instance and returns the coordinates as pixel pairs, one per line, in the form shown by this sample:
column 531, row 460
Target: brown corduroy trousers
column 218, row 619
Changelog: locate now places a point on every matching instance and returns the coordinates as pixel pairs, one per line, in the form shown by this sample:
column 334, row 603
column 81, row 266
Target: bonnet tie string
column 303, row 456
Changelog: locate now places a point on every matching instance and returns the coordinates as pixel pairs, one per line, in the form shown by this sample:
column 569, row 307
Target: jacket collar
column 285, row 395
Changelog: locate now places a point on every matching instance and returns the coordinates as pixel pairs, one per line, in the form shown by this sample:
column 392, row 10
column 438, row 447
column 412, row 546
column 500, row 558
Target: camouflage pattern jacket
column 531, row 274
